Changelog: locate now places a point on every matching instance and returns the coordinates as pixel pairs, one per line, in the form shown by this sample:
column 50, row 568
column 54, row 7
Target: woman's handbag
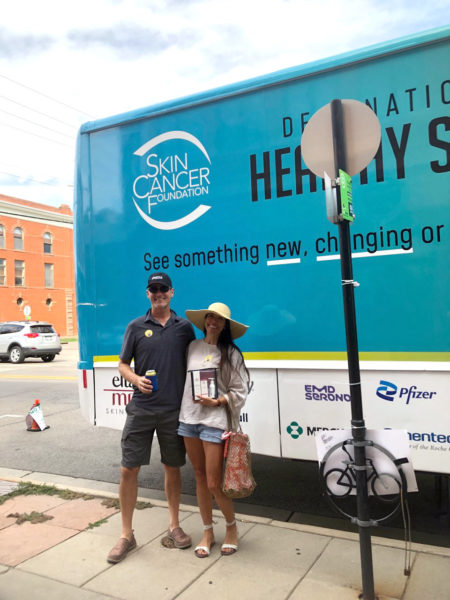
column 238, row 481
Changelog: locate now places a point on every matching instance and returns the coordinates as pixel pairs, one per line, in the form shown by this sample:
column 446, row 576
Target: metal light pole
column 357, row 422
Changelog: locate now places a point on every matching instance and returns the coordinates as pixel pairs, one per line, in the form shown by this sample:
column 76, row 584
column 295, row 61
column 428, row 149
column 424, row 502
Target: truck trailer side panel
column 213, row 189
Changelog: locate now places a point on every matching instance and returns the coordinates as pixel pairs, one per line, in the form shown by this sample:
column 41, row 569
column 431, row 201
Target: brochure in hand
column 204, row 383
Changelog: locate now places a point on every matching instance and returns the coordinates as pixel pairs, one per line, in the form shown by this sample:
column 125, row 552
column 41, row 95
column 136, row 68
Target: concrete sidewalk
column 64, row 557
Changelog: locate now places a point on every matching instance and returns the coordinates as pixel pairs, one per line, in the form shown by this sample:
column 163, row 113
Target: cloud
column 127, row 40
column 183, row 3
column 22, row 45
column 7, row 179
column 150, row 51
column 229, row 49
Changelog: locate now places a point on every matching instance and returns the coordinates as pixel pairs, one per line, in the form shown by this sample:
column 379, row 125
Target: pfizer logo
column 173, row 180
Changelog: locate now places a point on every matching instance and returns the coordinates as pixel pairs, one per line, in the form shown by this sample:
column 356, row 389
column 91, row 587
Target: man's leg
column 172, row 487
column 173, row 456
column 128, row 496
column 128, row 490
column 136, row 447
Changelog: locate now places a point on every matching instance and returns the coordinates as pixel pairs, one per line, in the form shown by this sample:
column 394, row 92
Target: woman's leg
column 194, row 448
column 213, row 464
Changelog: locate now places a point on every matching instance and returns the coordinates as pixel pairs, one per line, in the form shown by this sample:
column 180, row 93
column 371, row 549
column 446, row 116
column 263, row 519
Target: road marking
column 5, row 416
column 62, row 377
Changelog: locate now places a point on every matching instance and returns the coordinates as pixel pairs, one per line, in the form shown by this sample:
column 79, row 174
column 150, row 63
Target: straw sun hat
column 197, row 317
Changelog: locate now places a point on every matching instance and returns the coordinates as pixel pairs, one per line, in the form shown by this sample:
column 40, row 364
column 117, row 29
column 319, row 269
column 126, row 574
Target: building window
column 18, row 239
column 47, row 243
column 2, row 271
column 19, row 272
column 48, row 270
column 2, row 236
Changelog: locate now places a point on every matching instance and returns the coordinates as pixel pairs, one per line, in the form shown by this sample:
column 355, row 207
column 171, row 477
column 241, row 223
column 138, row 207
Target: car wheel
column 48, row 357
column 16, row 354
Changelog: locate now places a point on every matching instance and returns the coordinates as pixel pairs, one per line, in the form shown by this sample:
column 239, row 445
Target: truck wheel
column 48, row 357
column 16, row 355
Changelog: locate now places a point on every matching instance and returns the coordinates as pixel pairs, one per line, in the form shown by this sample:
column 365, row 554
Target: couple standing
column 160, row 341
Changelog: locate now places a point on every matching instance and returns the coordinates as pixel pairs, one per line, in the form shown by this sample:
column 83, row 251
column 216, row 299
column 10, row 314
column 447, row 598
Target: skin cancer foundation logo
column 170, row 178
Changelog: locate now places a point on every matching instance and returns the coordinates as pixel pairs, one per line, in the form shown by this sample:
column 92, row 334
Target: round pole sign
column 362, row 136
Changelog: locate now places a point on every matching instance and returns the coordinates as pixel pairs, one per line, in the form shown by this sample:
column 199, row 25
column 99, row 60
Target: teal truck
column 212, row 188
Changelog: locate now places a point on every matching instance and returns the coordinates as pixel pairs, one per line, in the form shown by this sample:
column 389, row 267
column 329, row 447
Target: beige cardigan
column 232, row 383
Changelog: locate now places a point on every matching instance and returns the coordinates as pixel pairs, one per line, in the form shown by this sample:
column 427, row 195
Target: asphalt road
column 287, row 490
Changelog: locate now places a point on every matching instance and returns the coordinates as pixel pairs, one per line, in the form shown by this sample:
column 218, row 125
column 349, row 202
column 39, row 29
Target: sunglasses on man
column 154, row 289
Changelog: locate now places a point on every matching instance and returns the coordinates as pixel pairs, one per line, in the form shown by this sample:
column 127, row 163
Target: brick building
column 36, row 263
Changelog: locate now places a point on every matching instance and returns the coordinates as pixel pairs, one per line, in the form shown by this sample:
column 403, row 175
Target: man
column 156, row 341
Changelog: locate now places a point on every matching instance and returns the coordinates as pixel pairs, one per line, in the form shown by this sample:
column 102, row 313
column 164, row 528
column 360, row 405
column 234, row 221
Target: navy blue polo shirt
column 163, row 349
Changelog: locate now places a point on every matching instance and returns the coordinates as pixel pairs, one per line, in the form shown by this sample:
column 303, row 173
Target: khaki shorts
column 137, row 438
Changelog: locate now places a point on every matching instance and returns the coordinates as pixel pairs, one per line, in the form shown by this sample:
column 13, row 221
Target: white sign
column 38, row 416
column 380, row 465
column 302, row 403
column 112, row 394
column 362, row 133
column 259, row 417
column 312, row 401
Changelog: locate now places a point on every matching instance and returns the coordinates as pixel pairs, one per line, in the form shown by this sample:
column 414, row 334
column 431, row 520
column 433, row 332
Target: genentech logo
column 171, row 176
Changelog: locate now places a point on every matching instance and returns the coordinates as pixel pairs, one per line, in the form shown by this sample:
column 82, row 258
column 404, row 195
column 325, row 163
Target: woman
column 203, row 418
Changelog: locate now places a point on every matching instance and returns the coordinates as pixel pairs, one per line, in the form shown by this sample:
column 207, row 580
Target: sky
column 63, row 63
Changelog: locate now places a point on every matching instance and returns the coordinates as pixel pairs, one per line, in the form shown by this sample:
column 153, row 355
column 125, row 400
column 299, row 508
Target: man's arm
column 143, row 384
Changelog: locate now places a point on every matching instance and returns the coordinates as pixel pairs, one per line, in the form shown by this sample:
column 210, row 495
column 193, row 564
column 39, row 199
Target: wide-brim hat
column 197, row 317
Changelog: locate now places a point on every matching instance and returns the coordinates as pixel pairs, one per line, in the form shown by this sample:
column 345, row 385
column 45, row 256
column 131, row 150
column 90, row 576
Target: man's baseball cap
column 161, row 278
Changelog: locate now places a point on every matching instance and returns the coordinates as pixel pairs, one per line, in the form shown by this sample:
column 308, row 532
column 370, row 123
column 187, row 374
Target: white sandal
column 205, row 549
column 232, row 547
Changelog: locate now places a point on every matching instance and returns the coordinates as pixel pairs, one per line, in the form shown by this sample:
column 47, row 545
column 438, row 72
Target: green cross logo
column 294, row 430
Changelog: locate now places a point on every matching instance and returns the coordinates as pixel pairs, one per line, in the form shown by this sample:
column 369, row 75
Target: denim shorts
column 205, row 433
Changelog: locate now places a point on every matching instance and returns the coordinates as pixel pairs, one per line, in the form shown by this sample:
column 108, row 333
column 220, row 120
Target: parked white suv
column 20, row 339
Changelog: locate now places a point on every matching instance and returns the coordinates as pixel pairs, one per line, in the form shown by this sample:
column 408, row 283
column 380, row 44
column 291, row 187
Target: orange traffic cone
column 31, row 424
column 35, row 418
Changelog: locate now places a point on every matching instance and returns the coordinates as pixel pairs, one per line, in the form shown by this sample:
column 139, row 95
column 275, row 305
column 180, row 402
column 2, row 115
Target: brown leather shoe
column 180, row 539
column 121, row 549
